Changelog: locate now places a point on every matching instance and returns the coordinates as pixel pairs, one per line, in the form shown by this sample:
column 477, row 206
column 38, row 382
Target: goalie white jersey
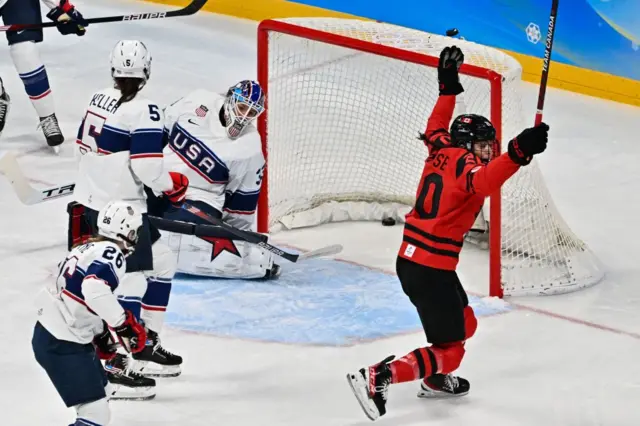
column 73, row 306
column 120, row 148
column 225, row 175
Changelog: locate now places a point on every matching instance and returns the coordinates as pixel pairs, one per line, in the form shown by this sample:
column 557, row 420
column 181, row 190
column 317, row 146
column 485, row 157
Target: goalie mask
column 120, row 221
column 243, row 104
column 476, row 134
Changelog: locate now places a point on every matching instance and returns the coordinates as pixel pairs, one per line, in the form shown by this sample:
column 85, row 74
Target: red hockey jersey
column 451, row 192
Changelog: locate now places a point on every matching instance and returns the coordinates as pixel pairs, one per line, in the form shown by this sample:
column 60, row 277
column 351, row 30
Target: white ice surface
column 562, row 360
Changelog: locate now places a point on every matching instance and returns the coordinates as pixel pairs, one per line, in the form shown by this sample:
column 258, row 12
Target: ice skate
column 5, row 102
column 125, row 383
column 371, row 386
column 443, row 386
column 52, row 132
column 156, row 361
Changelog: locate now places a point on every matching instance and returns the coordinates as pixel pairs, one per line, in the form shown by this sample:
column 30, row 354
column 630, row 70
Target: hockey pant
column 77, row 374
column 447, row 319
column 215, row 257
column 146, row 287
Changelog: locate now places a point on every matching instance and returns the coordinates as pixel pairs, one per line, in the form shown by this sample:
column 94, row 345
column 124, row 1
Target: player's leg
column 26, row 58
column 76, row 373
column 155, row 360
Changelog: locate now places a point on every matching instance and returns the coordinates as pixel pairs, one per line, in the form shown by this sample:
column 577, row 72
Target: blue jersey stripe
column 105, row 272
column 146, row 141
column 113, row 140
column 241, row 202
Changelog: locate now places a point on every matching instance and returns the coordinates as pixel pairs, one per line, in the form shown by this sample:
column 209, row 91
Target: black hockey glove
column 530, row 142
column 451, row 58
column 105, row 344
column 69, row 20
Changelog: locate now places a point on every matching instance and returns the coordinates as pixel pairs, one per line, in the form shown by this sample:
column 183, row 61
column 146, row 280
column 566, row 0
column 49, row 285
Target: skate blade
column 151, row 369
column 435, row 394
column 56, row 149
column 359, row 389
column 126, row 393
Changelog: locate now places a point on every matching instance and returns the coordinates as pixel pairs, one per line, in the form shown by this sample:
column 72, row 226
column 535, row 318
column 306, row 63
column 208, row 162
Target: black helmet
column 468, row 128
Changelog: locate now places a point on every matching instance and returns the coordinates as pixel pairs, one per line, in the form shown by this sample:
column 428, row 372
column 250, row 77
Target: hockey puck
column 452, row 32
column 388, row 221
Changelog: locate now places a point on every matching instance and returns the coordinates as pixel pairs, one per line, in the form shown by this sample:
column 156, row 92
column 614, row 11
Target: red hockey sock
column 414, row 365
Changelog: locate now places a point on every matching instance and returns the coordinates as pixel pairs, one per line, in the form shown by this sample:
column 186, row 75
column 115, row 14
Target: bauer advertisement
column 601, row 35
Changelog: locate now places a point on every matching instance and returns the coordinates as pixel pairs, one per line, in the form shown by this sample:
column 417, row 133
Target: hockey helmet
column 131, row 59
column 120, row 221
column 476, row 134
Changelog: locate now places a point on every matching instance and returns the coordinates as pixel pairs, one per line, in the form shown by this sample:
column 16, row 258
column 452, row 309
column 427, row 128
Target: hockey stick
column 190, row 9
column 250, row 237
column 546, row 62
column 26, row 193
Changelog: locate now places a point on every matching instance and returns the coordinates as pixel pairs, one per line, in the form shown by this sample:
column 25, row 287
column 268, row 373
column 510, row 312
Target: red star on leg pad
column 220, row 245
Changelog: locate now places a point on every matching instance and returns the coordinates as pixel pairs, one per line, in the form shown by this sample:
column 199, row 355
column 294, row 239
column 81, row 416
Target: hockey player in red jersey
column 458, row 174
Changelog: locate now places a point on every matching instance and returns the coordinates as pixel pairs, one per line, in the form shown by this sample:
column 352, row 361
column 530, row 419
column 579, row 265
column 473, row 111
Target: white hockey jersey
column 224, row 173
column 73, row 306
column 120, row 150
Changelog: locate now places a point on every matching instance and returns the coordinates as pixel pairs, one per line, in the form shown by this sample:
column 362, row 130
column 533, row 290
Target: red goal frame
column 495, row 83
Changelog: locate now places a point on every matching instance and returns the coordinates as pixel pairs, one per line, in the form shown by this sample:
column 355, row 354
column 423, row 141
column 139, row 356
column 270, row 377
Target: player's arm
column 147, row 160
column 101, row 279
column 479, row 179
column 437, row 134
column 243, row 190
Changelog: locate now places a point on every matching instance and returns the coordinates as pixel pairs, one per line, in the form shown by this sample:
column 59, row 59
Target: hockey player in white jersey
column 212, row 140
column 120, row 148
column 26, row 57
column 76, row 310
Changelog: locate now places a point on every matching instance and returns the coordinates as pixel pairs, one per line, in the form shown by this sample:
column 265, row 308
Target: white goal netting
column 342, row 127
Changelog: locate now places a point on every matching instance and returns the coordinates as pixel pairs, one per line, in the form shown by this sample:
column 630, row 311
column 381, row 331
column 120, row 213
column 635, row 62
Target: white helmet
column 131, row 59
column 120, row 221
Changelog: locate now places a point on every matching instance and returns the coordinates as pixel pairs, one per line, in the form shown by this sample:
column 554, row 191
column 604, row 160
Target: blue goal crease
column 316, row 302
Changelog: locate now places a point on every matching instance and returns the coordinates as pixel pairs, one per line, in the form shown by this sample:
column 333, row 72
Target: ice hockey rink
column 277, row 353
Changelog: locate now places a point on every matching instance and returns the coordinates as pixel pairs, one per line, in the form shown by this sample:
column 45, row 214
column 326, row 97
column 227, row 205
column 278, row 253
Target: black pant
column 439, row 298
column 22, row 12
column 74, row 368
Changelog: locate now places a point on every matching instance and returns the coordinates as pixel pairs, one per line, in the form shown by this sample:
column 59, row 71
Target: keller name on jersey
column 105, row 102
column 198, row 156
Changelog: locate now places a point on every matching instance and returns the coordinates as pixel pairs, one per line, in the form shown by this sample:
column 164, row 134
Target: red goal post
column 314, row 72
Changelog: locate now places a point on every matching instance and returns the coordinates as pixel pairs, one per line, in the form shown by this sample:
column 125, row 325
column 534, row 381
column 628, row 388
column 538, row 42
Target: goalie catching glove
column 530, row 142
column 131, row 334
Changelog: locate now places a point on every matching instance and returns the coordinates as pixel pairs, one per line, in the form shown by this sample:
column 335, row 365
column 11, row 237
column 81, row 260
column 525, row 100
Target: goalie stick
column 189, row 9
column 29, row 195
column 250, row 237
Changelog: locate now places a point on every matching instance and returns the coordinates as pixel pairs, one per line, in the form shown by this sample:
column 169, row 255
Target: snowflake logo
column 533, row 33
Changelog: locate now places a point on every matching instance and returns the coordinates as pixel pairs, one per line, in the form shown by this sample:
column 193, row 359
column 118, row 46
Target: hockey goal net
column 346, row 100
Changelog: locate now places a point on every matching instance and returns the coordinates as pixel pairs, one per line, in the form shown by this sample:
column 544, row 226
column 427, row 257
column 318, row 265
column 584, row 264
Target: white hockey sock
column 33, row 74
column 95, row 413
column 156, row 298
